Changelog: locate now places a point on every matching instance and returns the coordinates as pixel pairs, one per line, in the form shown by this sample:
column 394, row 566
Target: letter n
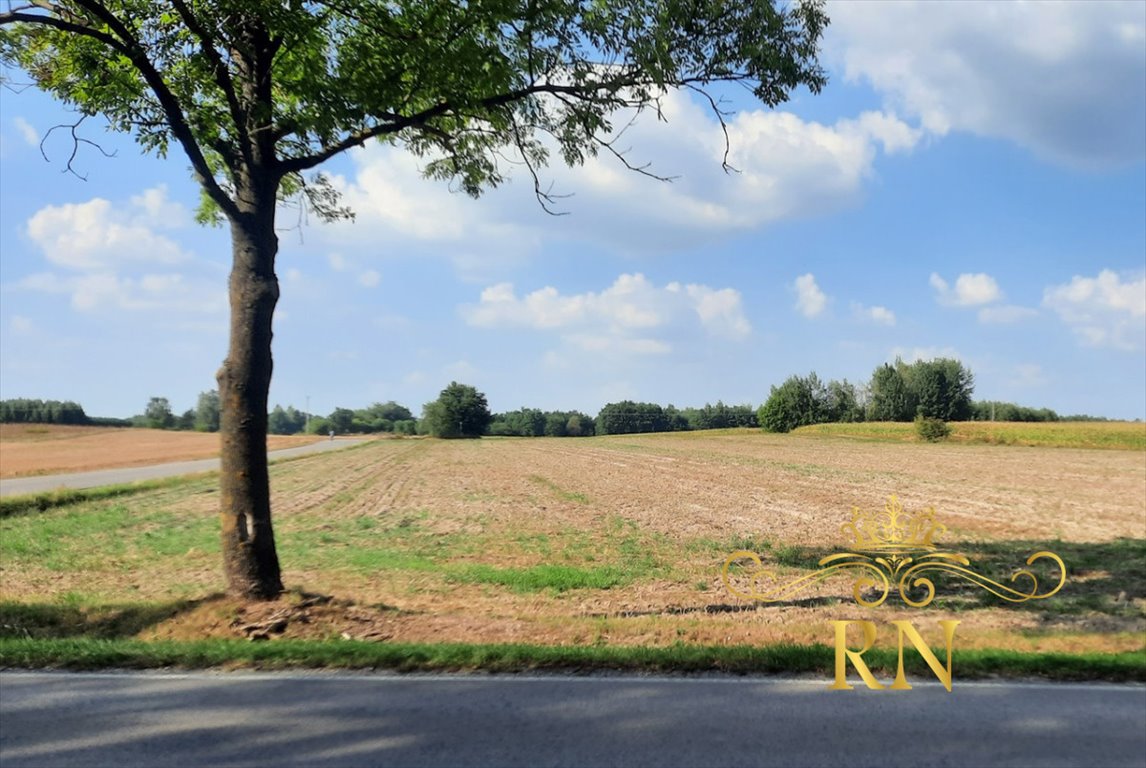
column 944, row 675
column 843, row 654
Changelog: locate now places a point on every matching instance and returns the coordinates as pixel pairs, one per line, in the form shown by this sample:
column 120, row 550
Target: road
column 325, row 719
column 41, row 483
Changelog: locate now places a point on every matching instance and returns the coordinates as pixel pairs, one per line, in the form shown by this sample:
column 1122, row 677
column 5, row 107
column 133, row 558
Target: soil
column 43, row 449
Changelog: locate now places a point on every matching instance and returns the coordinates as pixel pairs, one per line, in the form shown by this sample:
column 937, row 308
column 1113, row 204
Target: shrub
column 931, row 430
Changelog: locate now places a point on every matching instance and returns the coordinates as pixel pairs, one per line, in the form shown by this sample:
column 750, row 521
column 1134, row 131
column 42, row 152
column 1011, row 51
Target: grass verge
column 1112, row 435
column 87, row 653
column 41, row 502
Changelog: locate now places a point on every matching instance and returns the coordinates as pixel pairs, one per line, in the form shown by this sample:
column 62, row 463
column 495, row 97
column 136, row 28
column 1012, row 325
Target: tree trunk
column 249, row 558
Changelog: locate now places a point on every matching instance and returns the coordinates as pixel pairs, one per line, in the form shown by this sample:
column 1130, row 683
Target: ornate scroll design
column 899, row 553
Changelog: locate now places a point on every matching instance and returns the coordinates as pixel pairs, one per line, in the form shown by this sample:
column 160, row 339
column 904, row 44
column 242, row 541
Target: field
column 1117, row 435
column 601, row 541
column 42, row 449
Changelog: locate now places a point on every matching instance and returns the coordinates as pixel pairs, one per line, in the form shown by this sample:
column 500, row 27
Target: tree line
column 937, row 389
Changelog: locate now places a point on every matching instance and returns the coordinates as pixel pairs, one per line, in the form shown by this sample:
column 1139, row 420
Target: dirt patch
column 42, row 449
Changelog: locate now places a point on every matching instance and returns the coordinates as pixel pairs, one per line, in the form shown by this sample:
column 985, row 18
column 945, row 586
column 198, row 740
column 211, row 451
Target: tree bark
column 250, row 561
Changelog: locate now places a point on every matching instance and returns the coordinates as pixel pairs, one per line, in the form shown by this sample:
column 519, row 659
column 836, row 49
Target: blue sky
column 959, row 189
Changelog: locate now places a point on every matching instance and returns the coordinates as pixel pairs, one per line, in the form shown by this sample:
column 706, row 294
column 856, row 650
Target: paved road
column 41, row 483
column 216, row 719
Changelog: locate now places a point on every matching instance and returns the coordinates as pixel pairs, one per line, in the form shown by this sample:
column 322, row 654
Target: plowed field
column 40, row 449
column 621, row 540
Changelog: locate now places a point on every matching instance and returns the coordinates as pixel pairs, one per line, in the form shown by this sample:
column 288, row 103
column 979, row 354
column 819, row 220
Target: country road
column 325, row 719
column 41, row 483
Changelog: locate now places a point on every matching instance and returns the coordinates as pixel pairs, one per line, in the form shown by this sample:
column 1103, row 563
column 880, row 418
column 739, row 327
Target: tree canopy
column 459, row 411
column 286, row 85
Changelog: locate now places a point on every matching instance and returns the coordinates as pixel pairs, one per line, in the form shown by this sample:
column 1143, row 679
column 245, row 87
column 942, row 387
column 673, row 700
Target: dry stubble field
column 612, row 540
column 41, row 449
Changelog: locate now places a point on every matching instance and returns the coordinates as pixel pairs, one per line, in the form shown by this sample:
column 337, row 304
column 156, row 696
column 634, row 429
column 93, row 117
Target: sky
column 971, row 184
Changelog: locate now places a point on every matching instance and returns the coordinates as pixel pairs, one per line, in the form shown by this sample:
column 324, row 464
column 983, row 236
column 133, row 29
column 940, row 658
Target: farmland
column 601, row 541
column 40, row 449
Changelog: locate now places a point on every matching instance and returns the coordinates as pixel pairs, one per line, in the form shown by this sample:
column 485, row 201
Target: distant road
column 467, row 721
column 40, row 483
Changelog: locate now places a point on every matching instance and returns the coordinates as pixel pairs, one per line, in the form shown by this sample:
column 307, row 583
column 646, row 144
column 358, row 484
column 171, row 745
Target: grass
column 90, row 653
column 1111, row 435
column 66, row 497
column 558, row 578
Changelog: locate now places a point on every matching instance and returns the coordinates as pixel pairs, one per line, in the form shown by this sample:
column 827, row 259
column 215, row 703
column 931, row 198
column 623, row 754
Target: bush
column 931, row 430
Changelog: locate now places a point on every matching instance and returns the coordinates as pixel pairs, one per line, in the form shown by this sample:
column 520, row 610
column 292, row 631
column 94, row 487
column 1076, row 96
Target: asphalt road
column 41, row 483
column 229, row 719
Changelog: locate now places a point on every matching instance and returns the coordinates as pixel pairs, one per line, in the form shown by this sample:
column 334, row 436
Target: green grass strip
column 41, row 502
column 86, row 653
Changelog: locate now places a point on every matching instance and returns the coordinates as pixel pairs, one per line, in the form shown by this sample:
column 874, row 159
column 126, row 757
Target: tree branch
column 124, row 42
column 218, row 71
column 76, row 141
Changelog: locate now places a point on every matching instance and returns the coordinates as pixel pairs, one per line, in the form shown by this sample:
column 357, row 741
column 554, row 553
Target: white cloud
column 1105, row 311
column 1008, row 313
column 369, row 278
column 602, row 344
column 877, row 314
column 21, row 325
column 98, row 236
column 150, row 292
column 786, row 168
column 115, row 256
column 619, row 318
column 337, row 261
column 970, row 290
column 719, row 311
column 810, row 300
column 1064, row 80
column 27, row 131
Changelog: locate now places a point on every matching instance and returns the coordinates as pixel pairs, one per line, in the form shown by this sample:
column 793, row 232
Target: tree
column 207, row 412
column 891, row 398
column 259, row 93
column 799, row 401
column 459, row 411
column 842, row 402
column 158, row 414
column 341, row 420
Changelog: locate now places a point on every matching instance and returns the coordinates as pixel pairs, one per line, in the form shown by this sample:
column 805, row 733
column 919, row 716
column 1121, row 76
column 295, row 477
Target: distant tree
column 994, row 410
column 341, row 420
column 158, row 413
column 574, row 425
column 943, row 389
column 842, row 404
column 207, row 411
column 675, row 420
column 799, row 401
column 459, row 411
column 285, row 421
column 405, row 427
column 318, row 426
column 628, row 417
column 556, row 424
column 22, row 410
column 186, row 421
column 891, row 399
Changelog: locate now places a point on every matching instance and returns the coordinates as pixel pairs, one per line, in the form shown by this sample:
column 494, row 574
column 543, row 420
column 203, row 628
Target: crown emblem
column 893, row 530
